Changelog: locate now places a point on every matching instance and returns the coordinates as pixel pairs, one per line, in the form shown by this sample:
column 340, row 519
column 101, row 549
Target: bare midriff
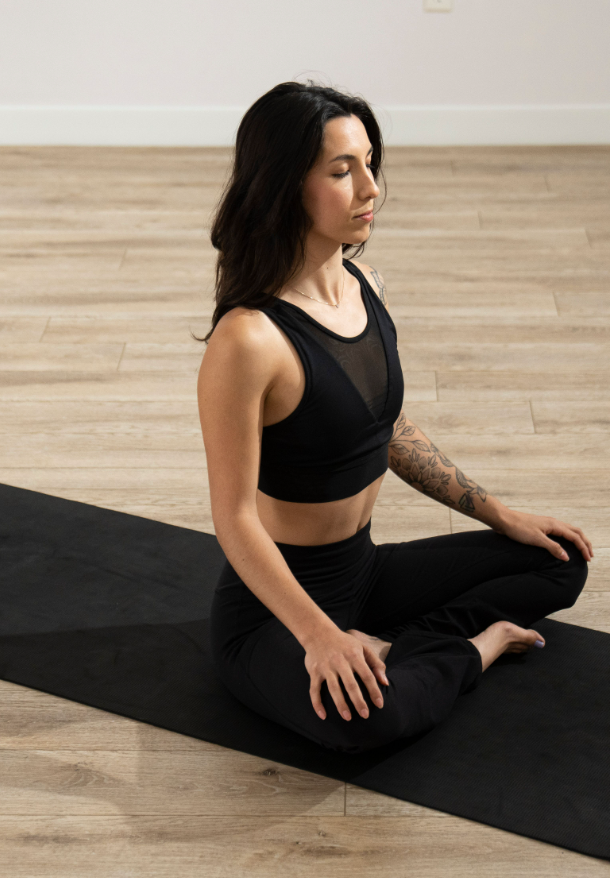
column 315, row 524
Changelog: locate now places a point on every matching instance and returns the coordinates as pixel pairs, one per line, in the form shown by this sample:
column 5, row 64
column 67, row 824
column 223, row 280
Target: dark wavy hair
column 260, row 225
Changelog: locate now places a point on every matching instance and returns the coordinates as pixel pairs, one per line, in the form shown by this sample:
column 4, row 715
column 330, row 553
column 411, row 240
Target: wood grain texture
column 32, row 720
column 171, row 782
column 550, row 385
column 300, row 846
column 497, row 263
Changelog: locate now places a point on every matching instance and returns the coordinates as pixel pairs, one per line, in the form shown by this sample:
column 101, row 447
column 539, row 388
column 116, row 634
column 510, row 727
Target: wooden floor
column 497, row 262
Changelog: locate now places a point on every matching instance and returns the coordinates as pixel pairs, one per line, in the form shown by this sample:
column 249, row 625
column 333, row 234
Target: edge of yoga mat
column 382, row 770
column 428, row 770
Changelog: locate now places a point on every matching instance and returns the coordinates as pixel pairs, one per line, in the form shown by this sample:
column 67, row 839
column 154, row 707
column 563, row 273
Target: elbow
column 232, row 518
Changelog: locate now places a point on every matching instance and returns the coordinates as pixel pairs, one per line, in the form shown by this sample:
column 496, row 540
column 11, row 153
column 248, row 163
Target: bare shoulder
column 246, row 326
column 241, row 348
column 375, row 279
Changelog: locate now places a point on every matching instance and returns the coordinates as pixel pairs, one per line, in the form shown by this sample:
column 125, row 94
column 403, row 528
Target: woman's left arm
column 419, row 463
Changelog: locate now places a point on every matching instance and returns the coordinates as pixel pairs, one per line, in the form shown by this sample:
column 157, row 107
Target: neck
column 322, row 273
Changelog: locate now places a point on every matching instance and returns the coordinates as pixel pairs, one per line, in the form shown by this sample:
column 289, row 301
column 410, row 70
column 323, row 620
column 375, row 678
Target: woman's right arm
column 239, row 367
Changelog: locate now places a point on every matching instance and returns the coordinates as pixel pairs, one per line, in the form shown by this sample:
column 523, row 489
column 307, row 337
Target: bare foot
column 503, row 637
column 380, row 647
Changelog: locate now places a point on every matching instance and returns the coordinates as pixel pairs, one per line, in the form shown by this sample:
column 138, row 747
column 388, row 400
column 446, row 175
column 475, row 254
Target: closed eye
column 345, row 173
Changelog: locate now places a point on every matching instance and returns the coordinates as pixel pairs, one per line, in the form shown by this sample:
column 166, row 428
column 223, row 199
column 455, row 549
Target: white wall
column 183, row 71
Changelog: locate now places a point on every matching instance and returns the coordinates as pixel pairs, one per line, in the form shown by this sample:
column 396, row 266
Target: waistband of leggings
column 339, row 547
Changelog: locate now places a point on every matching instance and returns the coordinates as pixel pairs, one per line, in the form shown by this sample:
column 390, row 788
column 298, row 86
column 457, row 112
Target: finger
column 355, row 692
column 337, row 696
column 558, row 529
column 378, row 667
column 584, row 538
column 316, row 700
column 575, row 535
column 380, row 674
column 581, row 545
column 555, row 549
column 369, row 679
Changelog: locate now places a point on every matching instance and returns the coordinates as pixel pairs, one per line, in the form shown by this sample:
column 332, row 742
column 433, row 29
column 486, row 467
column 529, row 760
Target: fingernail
column 539, row 644
column 387, row 682
column 565, row 556
column 346, row 714
column 379, row 702
column 364, row 713
column 321, row 714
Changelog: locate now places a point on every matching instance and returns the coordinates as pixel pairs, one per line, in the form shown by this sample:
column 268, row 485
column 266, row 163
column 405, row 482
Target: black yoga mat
column 110, row 610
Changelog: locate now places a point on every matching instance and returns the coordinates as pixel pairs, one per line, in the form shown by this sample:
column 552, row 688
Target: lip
column 365, row 217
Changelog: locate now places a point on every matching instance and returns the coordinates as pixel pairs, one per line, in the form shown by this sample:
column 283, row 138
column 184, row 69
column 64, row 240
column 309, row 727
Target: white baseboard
column 497, row 125
column 118, row 126
column 216, row 126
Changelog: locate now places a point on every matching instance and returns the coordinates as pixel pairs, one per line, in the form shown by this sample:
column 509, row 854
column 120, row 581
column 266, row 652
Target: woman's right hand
column 336, row 655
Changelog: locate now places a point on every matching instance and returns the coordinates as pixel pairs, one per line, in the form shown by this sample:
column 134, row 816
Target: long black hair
column 260, row 225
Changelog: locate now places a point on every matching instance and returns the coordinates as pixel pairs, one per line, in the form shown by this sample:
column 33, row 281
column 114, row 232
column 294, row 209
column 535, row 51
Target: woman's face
column 339, row 191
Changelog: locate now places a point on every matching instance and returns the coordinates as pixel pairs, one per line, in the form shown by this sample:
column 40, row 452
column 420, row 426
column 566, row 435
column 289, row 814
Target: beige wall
column 202, row 54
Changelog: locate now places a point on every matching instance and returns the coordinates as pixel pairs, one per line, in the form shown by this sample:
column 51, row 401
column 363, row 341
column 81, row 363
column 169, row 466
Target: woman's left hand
column 535, row 529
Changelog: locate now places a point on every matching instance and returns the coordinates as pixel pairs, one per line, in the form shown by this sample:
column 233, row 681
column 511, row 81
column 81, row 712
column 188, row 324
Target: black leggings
column 426, row 596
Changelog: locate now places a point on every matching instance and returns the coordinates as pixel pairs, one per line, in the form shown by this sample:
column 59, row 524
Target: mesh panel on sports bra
column 364, row 361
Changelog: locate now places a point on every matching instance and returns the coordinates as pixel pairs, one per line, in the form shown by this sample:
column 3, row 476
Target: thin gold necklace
column 331, row 304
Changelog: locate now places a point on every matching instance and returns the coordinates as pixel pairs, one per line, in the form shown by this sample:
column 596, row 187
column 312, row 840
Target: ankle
column 492, row 642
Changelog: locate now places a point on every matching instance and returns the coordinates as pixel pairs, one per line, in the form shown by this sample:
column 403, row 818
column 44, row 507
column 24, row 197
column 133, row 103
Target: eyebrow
column 346, row 157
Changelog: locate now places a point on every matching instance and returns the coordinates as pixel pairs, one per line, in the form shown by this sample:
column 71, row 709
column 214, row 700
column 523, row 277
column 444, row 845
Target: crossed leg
column 464, row 589
column 430, row 599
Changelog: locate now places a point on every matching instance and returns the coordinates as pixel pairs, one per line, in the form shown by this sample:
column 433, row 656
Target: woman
column 349, row 643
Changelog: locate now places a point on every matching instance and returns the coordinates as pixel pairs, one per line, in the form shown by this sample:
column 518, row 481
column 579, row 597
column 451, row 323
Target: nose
column 369, row 188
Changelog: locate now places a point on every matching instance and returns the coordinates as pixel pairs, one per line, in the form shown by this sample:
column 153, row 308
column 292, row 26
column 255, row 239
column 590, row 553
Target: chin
column 357, row 236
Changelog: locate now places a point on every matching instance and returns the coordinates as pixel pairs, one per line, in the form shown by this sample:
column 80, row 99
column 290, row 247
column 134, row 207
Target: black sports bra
column 335, row 442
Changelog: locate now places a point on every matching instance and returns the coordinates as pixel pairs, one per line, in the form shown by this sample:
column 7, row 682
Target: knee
column 573, row 572
column 359, row 735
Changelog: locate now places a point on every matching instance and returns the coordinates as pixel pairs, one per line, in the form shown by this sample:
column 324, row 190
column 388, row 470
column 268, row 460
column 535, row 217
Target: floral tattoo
column 420, row 464
column 380, row 285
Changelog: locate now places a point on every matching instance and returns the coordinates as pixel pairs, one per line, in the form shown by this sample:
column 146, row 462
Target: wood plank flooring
column 497, row 262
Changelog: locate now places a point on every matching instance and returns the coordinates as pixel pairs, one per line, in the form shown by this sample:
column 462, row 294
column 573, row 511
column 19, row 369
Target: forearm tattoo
column 422, row 465
column 380, row 286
